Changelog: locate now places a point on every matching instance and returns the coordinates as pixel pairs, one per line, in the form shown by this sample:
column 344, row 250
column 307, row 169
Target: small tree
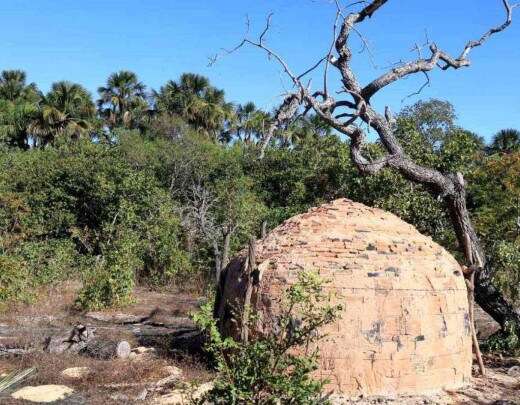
column 273, row 368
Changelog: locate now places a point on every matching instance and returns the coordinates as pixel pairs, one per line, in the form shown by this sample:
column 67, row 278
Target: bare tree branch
column 426, row 65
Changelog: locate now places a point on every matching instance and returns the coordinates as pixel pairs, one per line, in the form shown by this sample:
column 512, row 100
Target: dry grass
column 50, row 301
column 53, row 312
column 122, row 377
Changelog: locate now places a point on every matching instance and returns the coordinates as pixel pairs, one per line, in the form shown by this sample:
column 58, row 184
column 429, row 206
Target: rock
column 43, row 393
column 142, row 355
column 120, row 398
column 202, row 389
column 174, row 376
column 184, row 396
column 76, row 372
column 142, row 395
column 107, row 349
column 201, row 301
column 170, row 380
column 514, row 371
column 174, row 397
column 117, row 318
column 172, row 322
column 73, row 341
column 172, row 370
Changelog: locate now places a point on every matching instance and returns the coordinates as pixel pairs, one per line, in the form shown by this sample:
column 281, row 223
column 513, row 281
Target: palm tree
column 304, row 128
column 194, row 99
column 66, row 110
column 249, row 121
column 505, row 141
column 122, row 100
column 14, row 87
column 15, row 120
column 18, row 105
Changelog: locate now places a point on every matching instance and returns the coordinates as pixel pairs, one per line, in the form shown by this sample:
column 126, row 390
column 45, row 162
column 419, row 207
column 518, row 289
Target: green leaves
column 275, row 367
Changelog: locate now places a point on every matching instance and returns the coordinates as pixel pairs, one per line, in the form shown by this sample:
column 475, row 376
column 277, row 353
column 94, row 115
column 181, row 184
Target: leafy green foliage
column 14, row 278
column 274, row 368
column 506, row 341
column 163, row 184
column 505, row 258
column 59, row 211
column 505, row 141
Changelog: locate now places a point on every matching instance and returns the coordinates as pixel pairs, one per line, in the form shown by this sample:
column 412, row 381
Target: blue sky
column 84, row 41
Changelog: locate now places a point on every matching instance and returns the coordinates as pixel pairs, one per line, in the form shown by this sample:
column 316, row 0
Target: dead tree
column 353, row 114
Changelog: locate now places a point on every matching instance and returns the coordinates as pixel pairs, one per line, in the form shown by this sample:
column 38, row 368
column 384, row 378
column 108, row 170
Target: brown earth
column 122, row 381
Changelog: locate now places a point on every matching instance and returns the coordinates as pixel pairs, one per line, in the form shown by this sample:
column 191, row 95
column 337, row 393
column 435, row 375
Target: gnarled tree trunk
column 349, row 115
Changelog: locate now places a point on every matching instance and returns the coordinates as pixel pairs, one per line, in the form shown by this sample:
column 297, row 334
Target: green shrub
column 505, row 259
column 506, row 341
column 14, row 279
column 50, row 260
column 112, row 279
column 273, row 368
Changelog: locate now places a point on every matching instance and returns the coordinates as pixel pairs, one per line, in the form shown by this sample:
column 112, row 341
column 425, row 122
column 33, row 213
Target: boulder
column 43, row 393
column 76, row 372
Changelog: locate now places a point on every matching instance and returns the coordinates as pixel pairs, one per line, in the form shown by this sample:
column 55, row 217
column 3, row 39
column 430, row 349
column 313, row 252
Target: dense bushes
column 155, row 205
column 82, row 210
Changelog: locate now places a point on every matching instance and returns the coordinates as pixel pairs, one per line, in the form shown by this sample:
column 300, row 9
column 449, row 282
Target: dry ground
column 121, row 381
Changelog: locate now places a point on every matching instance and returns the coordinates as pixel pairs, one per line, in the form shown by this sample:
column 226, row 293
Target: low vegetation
column 273, row 368
column 159, row 188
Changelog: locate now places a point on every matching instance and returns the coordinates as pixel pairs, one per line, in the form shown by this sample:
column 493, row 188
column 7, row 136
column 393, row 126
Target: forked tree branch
column 325, row 106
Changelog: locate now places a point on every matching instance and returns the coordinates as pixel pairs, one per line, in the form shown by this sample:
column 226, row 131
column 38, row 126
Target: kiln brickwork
column 405, row 327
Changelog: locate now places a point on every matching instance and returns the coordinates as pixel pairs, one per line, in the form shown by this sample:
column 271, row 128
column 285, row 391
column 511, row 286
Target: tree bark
column 264, row 229
column 486, row 294
column 218, row 261
column 225, row 250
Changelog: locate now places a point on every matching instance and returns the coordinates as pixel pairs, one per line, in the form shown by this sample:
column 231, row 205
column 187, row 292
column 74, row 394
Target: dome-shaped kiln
column 405, row 325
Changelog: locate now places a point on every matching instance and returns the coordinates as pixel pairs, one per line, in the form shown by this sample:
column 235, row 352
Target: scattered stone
column 142, row 353
column 514, row 371
column 142, row 395
column 75, row 372
column 184, row 395
column 170, row 380
column 43, row 393
column 120, row 398
column 172, row 370
column 142, row 350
